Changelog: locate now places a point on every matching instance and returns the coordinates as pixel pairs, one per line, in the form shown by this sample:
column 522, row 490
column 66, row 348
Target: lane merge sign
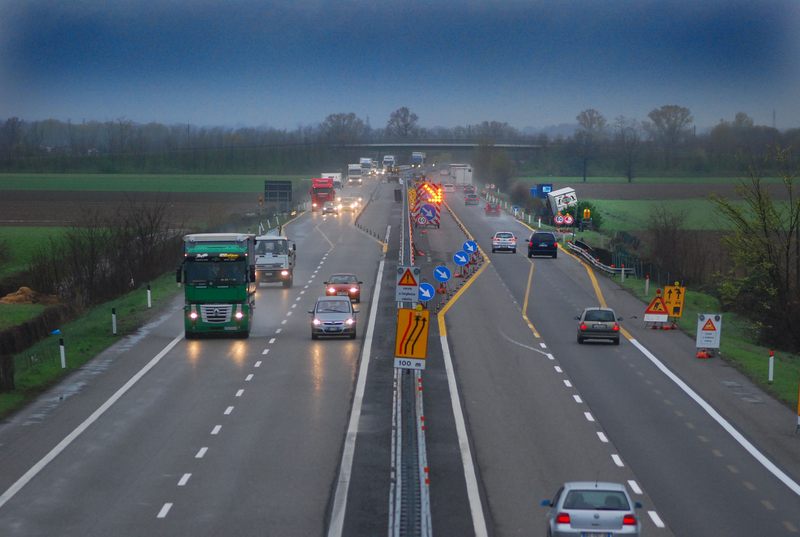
column 407, row 288
column 411, row 341
column 442, row 273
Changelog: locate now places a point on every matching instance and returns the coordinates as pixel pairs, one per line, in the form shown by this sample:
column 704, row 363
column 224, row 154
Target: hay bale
column 26, row 295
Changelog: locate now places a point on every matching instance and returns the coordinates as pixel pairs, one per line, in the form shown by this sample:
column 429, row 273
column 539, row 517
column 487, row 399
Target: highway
column 164, row 436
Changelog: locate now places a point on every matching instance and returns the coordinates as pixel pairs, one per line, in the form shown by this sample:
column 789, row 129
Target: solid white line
column 577, row 398
column 271, row 340
column 602, row 436
column 634, row 486
column 216, row 429
column 656, row 519
column 164, row 510
column 588, row 416
column 567, row 383
column 184, row 480
column 230, row 408
column 61, row 446
column 257, row 364
column 558, row 369
column 248, row 378
column 265, row 351
column 749, row 447
column 201, row 453
column 475, row 507
column 346, row 466
column 617, row 460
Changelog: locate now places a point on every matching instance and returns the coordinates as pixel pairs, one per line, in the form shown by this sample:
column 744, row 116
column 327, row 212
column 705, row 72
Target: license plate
column 595, row 534
column 599, row 327
column 342, row 293
column 269, row 274
column 544, row 244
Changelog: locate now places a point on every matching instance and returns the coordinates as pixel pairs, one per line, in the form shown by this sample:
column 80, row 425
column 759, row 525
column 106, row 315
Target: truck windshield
column 274, row 247
column 216, row 273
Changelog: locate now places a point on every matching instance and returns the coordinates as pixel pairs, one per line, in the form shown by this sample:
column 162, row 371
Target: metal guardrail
column 597, row 264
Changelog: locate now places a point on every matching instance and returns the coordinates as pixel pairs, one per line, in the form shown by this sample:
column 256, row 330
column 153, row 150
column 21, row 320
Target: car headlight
column 331, row 289
column 349, row 322
column 316, row 322
column 354, row 289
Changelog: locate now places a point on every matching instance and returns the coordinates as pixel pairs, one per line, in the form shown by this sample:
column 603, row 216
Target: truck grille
column 216, row 313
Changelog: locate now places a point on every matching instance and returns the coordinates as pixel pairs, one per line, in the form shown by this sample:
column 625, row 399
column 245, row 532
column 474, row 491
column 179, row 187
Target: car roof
column 343, row 274
column 597, row 308
column 333, row 299
column 499, row 232
column 589, row 485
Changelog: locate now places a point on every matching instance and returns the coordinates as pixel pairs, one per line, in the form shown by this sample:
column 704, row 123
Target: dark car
column 333, row 316
column 543, row 243
column 598, row 323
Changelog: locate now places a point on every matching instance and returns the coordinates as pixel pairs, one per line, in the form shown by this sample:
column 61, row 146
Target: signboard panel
column 656, row 312
column 407, row 285
column 426, row 292
column 411, row 340
column 441, row 273
column 709, row 330
column 673, row 300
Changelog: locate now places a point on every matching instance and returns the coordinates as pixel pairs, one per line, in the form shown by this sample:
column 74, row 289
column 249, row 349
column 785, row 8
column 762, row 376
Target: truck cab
column 275, row 259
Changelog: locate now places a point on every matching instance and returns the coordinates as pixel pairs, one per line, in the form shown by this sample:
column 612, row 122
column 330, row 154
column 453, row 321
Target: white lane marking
column 311, row 278
column 577, row 398
column 656, row 519
column 61, row 446
column 634, row 486
column 271, row 340
column 542, row 345
column 602, row 436
column 306, row 287
column 184, row 479
column 346, row 466
column 289, row 313
column 746, row 444
column 550, row 356
column 478, row 518
column 297, row 299
column 265, row 351
column 257, row 364
column 293, row 306
column 283, row 321
column 302, row 293
column 617, row 460
column 201, row 453
column 248, row 378
column 315, row 272
column 279, row 330
column 521, row 344
column 164, row 510
column 216, row 429
column 567, row 383
column 238, row 394
column 558, row 369
column 230, row 408
column 588, row 416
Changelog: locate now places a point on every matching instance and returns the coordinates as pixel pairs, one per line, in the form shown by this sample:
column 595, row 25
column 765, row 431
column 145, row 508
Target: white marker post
column 771, row 365
column 62, row 352
column 114, row 321
column 646, row 285
column 149, row 297
column 623, row 273
column 540, row 223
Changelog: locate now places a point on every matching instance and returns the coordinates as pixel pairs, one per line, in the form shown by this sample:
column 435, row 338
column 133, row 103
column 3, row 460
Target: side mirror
column 324, row 283
column 294, row 246
column 638, row 505
column 546, row 503
column 178, row 274
column 577, row 317
column 360, row 282
column 619, row 318
column 311, row 312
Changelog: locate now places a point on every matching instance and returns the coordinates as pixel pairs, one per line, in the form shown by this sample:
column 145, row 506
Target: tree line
column 666, row 142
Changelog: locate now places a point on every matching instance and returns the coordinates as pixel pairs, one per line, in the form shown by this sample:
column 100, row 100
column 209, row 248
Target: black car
column 543, row 243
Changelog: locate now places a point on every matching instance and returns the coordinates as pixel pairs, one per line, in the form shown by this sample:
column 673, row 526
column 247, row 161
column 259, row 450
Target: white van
column 449, row 187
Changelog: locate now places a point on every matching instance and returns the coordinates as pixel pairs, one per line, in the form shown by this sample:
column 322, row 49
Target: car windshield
column 504, row 235
column 597, row 500
column 604, row 316
column 543, row 237
column 333, row 306
column 342, row 278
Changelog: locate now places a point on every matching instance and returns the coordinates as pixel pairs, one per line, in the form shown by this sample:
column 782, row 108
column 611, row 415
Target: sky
column 284, row 64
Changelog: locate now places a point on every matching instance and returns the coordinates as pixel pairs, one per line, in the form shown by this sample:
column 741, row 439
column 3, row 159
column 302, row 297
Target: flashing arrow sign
column 460, row 258
column 470, row 246
column 441, row 273
column 426, row 292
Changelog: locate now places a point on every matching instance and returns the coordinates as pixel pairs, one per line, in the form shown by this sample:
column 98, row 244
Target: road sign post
column 709, row 332
column 407, row 287
column 411, row 340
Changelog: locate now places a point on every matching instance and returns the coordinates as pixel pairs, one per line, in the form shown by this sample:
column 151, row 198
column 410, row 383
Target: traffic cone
column 703, row 354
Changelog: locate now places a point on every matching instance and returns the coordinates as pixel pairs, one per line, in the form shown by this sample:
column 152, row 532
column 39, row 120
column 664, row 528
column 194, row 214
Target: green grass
column 575, row 181
column 139, row 183
column 14, row 314
column 40, row 366
column 634, row 215
column 20, row 243
column 736, row 344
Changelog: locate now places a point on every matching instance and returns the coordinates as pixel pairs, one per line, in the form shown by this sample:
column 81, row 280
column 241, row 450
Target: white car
column 504, row 240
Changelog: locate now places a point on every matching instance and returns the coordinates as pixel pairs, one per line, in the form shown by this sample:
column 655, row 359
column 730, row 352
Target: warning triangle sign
column 709, row 326
column 657, row 306
column 407, row 279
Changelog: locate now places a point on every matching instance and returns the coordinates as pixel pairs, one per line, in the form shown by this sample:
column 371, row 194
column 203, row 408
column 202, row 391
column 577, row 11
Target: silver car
column 333, row 316
column 592, row 509
column 598, row 323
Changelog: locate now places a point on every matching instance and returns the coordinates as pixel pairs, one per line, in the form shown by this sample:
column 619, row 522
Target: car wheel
column 493, row 250
column 353, row 335
column 288, row 283
column 513, row 250
column 555, row 255
column 580, row 340
column 616, row 341
column 530, row 255
column 314, row 336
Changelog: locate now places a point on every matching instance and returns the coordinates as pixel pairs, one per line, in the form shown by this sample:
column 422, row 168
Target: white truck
column 354, row 174
column 366, row 166
column 337, row 178
column 389, row 162
column 560, row 199
column 275, row 259
column 461, row 174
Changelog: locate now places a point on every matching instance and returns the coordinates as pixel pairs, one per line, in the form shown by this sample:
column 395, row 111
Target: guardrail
column 587, row 256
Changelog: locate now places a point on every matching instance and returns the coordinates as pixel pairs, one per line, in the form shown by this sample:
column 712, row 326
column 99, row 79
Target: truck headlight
column 284, row 273
column 239, row 315
column 193, row 315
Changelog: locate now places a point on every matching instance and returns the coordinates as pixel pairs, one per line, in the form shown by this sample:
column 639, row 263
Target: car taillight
column 513, row 239
column 530, row 244
column 629, row 520
column 562, row 518
column 331, row 289
column 583, row 326
column 616, row 327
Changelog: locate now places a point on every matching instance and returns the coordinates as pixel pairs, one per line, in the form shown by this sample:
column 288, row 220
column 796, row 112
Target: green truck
column 219, row 277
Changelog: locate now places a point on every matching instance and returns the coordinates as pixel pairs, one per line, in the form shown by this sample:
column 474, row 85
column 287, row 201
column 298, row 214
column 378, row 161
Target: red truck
column 321, row 191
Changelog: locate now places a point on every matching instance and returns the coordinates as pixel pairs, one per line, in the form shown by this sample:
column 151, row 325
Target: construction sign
column 407, row 285
column 657, row 311
column 674, row 296
column 411, row 340
column 709, row 330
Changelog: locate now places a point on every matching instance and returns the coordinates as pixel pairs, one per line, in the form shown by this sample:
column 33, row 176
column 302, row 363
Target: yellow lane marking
column 384, row 245
column 525, row 302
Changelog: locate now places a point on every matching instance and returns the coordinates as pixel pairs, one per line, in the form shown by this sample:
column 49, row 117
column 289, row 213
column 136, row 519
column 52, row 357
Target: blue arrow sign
column 470, row 246
column 426, row 292
column 460, row 258
column 441, row 273
column 428, row 211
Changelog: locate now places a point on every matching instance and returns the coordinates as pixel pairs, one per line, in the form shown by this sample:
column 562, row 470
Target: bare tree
column 591, row 131
column 671, row 125
column 402, row 123
column 628, row 137
column 342, row 128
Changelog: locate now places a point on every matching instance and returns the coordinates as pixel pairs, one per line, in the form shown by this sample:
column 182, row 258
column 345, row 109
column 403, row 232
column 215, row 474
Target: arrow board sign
column 460, row 258
column 411, row 340
column 470, row 246
column 441, row 273
column 709, row 330
column 656, row 312
column 407, row 288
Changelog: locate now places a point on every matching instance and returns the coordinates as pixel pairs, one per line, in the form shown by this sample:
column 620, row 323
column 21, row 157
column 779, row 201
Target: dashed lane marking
column 283, row 321
column 164, row 510
column 265, row 351
column 279, row 330
column 634, row 486
column 271, row 340
column 201, row 453
column 602, row 436
column 617, row 460
column 567, row 383
column 656, row 519
column 257, row 364
column 184, row 479
column 248, row 378
column 217, row 428
column 558, row 369
column 588, row 416
column 230, row 408
column 577, row 398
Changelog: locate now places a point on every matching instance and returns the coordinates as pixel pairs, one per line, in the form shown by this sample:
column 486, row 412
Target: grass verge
column 14, row 314
column 736, row 345
column 39, row 367
column 20, row 244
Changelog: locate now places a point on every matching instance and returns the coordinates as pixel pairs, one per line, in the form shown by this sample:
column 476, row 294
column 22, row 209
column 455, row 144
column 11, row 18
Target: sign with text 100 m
column 411, row 340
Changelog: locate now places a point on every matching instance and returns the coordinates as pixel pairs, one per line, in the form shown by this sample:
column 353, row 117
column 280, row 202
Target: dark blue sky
column 284, row 64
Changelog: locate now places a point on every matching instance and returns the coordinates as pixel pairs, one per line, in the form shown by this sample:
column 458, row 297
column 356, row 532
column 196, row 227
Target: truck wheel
column 288, row 283
column 189, row 335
